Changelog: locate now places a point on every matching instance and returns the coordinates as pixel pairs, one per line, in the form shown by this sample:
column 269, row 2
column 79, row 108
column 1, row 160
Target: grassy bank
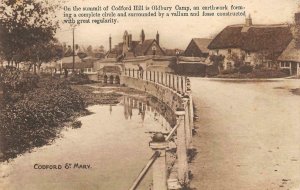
column 35, row 118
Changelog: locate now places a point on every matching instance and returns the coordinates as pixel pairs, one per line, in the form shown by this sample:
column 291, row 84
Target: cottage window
column 229, row 51
column 285, row 64
column 217, row 51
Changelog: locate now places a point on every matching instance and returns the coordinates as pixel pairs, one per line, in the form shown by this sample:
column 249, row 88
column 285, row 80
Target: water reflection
column 148, row 109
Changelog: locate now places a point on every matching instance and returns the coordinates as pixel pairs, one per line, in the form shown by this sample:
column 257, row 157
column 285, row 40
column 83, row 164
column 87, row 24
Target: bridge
column 175, row 92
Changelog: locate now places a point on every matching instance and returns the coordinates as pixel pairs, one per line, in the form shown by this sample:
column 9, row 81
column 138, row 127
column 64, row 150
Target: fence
column 179, row 85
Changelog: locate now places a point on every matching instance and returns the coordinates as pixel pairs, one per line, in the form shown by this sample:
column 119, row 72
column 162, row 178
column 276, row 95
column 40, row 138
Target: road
column 248, row 135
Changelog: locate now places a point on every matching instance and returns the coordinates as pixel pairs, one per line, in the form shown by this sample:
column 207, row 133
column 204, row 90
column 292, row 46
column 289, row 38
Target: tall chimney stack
column 157, row 38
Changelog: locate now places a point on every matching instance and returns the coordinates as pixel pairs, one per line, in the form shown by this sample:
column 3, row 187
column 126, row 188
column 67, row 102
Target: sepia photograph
column 149, row 95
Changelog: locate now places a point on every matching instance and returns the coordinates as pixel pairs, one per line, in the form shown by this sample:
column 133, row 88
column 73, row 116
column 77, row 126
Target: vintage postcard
column 149, row 94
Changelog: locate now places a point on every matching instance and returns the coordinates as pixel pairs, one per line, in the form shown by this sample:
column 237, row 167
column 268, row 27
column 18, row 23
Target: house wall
column 228, row 63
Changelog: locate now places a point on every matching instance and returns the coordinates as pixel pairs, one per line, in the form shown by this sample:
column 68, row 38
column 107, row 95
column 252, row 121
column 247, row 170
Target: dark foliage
column 80, row 78
column 212, row 70
column 15, row 83
column 245, row 69
column 35, row 118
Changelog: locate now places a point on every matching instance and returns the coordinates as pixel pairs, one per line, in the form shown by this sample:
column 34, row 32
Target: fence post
column 191, row 108
column 159, row 144
column 177, row 83
column 182, row 87
column 166, row 79
column 181, row 148
column 187, row 127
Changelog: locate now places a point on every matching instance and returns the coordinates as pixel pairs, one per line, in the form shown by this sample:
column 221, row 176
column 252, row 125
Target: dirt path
column 248, row 135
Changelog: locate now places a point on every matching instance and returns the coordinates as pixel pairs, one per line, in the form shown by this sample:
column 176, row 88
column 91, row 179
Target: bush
column 231, row 71
column 212, row 70
column 35, row 119
column 15, row 83
column 79, row 79
column 286, row 71
column 76, row 124
column 269, row 73
column 245, row 69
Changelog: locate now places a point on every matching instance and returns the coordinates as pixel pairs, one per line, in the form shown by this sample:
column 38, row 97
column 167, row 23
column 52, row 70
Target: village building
column 290, row 57
column 193, row 60
column 251, row 44
column 130, row 48
column 134, row 55
column 197, row 48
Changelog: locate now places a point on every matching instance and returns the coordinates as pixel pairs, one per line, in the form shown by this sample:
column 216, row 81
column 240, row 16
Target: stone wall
column 163, row 93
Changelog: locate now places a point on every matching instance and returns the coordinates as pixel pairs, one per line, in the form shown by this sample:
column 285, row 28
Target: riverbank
column 110, row 138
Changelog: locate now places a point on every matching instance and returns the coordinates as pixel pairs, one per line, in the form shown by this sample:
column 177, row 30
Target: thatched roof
column 291, row 53
column 254, row 38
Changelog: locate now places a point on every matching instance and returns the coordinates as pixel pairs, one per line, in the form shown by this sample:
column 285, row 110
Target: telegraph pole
column 73, row 68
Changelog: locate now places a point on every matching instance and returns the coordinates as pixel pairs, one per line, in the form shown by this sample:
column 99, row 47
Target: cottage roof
column 291, row 53
column 202, row 44
column 273, row 38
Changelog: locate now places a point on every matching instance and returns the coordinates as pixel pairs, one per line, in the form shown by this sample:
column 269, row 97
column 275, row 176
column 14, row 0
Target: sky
column 175, row 32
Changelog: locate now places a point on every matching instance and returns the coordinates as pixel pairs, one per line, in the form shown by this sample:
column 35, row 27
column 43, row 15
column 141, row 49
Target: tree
column 26, row 26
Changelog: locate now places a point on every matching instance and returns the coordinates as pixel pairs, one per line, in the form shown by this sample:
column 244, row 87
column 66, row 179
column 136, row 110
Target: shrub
column 15, row 83
column 245, row 69
column 231, row 71
column 76, row 124
column 79, row 79
column 212, row 70
column 286, row 71
column 35, row 119
column 269, row 73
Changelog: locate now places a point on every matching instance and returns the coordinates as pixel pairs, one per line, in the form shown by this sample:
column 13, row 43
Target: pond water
column 113, row 141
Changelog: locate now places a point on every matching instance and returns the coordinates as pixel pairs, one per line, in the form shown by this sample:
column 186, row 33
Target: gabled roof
column 291, row 53
column 273, row 38
column 142, row 48
column 202, row 44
